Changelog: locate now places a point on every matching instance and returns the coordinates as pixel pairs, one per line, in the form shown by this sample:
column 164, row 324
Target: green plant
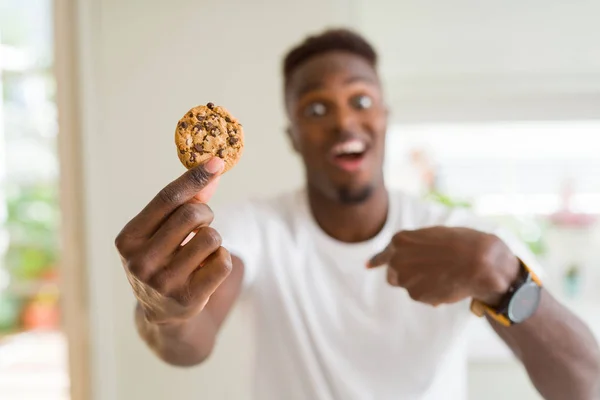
column 32, row 225
column 446, row 200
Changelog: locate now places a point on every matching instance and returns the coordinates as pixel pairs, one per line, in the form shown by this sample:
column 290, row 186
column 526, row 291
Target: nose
column 344, row 120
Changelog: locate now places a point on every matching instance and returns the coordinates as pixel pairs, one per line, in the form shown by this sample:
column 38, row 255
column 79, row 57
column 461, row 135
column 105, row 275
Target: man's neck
column 350, row 223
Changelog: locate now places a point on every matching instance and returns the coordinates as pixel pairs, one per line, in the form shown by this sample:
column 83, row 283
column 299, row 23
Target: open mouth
column 348, row 155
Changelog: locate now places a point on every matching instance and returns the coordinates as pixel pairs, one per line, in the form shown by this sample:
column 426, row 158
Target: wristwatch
column 519, row 303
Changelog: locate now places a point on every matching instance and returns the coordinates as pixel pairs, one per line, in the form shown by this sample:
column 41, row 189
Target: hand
column 172, row 273
column 441, row 265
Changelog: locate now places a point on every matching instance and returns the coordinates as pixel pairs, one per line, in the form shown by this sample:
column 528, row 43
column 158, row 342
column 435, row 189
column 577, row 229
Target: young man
column 357, row 292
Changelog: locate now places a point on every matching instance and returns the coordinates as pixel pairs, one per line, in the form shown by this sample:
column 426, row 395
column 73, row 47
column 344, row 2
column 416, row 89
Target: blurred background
column 495, row 107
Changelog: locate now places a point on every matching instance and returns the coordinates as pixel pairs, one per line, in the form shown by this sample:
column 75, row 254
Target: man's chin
column 353, row 196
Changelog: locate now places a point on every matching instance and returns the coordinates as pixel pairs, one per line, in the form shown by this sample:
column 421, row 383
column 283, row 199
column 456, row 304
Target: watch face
column 524, row 302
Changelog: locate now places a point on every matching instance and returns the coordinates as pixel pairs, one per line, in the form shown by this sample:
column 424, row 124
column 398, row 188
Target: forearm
column 185, row 344
column 558, row 350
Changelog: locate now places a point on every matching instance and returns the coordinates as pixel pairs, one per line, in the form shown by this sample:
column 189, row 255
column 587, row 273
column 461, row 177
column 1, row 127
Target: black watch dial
column 524, row 302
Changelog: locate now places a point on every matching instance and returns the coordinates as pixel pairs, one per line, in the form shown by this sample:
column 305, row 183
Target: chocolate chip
column 210, row 105
column 197, row 128
column 233, row 140
column 183, row 125
column 182, row 151
column 191, row 115
column 200, row 117
column 199, row 147
column 208, row 125
column 227, row 119
column 193, row 157
column 214, row 132
column 220, row 153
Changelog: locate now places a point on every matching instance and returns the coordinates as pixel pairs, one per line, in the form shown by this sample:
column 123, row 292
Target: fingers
column 382, row 258
column 195, row 253
column 190, row 297
column 178, row 192
column 392, row 277
column 187, row 218
column 205, row 281
column 401, row 278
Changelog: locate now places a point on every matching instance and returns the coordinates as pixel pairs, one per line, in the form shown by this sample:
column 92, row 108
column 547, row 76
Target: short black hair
column 339, row 39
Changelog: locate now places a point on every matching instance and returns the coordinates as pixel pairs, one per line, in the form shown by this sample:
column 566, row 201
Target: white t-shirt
column 328, row 328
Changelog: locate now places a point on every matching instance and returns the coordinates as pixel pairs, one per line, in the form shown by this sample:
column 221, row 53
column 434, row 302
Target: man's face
column 338, row 124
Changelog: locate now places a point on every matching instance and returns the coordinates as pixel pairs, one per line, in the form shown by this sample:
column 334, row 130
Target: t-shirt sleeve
column 239, row 228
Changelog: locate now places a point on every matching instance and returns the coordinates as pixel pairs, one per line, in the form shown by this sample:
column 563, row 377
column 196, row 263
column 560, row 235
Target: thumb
column 382, row 257
column 204, row 195
column 207, row 192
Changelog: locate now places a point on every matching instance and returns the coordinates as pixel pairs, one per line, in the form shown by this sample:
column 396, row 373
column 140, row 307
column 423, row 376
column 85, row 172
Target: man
column 357, row 292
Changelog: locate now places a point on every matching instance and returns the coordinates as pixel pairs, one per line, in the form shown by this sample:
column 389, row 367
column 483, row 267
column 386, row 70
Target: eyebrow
column 312, row 86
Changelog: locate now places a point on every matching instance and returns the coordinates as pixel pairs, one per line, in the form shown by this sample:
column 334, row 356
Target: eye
column 315, row 109
column 361, row 102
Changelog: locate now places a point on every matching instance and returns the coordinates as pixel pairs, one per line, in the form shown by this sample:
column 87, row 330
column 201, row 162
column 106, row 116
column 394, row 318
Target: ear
column 292, row 139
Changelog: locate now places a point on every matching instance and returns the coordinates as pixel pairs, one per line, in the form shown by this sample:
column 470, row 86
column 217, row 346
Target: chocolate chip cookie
column 208, row 131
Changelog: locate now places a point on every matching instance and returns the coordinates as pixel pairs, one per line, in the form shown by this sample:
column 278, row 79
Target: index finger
column 180, row 191
column 382, row 257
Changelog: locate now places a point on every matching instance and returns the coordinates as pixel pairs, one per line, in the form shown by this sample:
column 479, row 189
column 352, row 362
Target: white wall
column 481, row 60
column 145, row 63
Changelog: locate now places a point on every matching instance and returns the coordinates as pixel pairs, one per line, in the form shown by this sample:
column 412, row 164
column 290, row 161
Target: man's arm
column 190, row 342
column 441, row 265
column 558, row 350
column 185, row 284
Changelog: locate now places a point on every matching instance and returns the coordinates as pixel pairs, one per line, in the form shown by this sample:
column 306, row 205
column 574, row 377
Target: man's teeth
column 349, row 147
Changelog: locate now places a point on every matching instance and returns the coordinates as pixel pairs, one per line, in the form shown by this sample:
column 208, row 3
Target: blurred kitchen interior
column 495, row 107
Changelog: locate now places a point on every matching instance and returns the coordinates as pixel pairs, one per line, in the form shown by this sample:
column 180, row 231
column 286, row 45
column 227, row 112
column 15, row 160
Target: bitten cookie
column 208, row 131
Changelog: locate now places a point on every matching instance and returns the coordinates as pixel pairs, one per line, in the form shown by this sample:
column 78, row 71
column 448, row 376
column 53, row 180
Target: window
column 32, row 347
column 504, row 168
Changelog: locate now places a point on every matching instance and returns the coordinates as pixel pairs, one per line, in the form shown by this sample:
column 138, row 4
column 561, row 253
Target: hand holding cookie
column 171, row 278
column 172, row 257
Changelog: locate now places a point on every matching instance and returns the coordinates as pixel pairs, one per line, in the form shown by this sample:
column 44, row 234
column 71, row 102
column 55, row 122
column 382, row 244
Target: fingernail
column 214, row 165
